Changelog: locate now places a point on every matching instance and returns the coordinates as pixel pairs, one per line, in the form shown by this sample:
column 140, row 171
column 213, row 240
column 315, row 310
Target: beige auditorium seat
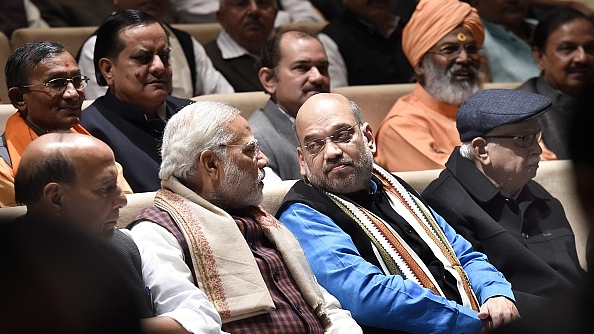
column 71, row 37
column 6, row 110
column 246, row 102
column 5, row 51
column 312, row 27
column 202, row 32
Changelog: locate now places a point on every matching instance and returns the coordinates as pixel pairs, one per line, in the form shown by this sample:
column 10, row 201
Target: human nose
column 70, row 92
column 252, row 7
column 262, row 160
column 580, row 55
column 331, row 149
column 120, row 200
column 315, row 75
column 462, row 56
column 157, row 64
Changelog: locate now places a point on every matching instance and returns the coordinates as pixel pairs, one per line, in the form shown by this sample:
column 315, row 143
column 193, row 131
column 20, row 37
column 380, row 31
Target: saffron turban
column 432, row 20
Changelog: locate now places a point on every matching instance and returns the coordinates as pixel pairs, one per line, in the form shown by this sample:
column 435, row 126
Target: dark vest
column 127, row 257
column 241, row 72
column 302, row 193
column 370, row 58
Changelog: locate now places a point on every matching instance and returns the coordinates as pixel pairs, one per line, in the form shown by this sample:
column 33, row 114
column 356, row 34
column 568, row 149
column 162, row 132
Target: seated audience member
column 486, row 193
column 572, row 313
column 207, row 224
column 15, row 14
column 68, row 181
column 74, row 13
column 373, row 243
column 364, row 45
column 236, row 51
column 508, row 34
column 442, row 42
column 193, row 72
column 563, row 47
column 47, row 89
column 132, row 58
column 204, row 11
column 294, row 67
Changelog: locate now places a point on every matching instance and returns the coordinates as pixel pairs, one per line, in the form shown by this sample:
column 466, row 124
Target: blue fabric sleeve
column 485, row 279
column 386, row 301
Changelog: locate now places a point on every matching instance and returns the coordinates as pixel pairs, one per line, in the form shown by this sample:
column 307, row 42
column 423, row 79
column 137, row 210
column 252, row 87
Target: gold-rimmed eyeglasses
column 58, row 85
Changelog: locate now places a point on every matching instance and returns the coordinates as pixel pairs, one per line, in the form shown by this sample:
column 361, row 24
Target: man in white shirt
column 193, row 72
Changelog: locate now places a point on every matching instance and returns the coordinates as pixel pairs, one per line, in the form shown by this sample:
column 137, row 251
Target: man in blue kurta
column 372, row 241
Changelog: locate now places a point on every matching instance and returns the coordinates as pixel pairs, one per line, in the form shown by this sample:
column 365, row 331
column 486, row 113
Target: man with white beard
column 486, row 193
column 441, row 41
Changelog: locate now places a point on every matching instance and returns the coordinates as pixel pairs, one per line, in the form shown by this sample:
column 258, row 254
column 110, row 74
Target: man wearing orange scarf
column 47, row 88
column 441, row 41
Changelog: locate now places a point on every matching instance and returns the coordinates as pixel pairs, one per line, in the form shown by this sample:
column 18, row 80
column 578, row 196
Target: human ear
column 210, row 163
column 368, row 134
column 106, row 66
column 53, row 195
column 267, row 79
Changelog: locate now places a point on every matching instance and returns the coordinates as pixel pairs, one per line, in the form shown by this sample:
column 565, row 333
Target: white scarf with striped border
column 392, row 252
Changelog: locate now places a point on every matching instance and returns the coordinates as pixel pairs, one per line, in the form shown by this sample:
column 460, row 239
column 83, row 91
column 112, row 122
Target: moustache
column 315, row 87
column 336, row 161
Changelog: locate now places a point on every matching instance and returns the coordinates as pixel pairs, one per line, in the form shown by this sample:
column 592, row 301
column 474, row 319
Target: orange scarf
column 19, row 135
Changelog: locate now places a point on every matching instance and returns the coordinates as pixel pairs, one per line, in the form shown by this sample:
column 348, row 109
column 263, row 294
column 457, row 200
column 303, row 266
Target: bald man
column 373, row 243
column 68, row 180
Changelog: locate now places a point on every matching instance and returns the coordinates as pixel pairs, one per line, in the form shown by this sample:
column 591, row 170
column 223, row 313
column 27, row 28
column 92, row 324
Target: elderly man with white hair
column 207, row 223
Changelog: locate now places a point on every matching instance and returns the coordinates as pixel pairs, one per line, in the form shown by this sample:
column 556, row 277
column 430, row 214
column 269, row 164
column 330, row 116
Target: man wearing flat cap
column 441, row 41
column 486, row 193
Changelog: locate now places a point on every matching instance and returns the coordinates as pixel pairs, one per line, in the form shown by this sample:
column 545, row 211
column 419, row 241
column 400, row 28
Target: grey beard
column 445, row 89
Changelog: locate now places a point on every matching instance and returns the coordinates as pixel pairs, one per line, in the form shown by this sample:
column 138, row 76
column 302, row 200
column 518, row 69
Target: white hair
column 195, row 128
column 466, row 150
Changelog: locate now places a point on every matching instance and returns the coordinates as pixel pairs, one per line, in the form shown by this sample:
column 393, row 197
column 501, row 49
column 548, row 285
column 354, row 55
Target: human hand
column 497, row 311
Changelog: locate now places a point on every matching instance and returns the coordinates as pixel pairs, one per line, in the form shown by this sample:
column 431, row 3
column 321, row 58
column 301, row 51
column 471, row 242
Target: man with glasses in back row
column 45, row 85
column 486, row 193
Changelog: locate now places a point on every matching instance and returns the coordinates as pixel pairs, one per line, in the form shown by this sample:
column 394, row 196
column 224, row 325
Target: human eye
column 165, row 56
column 449, row 49
column 56, row 83
column 314, row 145
column 143, row 58
column 471, row 49
column 343, row 136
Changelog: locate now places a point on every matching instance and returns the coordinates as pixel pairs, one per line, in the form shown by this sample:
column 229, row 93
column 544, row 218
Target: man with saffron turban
column 441, row 41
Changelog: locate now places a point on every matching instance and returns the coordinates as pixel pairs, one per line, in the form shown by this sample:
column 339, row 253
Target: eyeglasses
column 252, row 148
column 525, row 140
column 243, row 4
column 341, row 136
column 452, row 50
column 58, row 85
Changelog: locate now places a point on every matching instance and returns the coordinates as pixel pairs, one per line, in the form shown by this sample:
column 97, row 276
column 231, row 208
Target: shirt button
column 526, row 236
column 276, row 277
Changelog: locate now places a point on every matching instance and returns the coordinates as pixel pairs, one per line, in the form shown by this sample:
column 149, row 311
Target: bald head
column 71, row 179
column 336, row 147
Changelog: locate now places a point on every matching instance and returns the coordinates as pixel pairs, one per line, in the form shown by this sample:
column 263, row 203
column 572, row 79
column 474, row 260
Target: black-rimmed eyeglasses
column 58, row 85
column 525, row 141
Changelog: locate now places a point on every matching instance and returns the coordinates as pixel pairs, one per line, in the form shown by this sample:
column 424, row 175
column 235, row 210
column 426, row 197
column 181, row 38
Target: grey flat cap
column 490, row 108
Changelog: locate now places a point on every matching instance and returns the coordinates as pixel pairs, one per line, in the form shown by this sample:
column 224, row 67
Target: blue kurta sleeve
column 375, row 299
column 485, row 279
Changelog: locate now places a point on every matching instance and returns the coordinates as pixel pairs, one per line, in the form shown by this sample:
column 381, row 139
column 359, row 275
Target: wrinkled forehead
column 323, row 113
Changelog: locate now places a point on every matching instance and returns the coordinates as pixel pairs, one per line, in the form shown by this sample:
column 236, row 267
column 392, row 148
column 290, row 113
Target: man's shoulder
column 529, row 85
column 175, row 103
